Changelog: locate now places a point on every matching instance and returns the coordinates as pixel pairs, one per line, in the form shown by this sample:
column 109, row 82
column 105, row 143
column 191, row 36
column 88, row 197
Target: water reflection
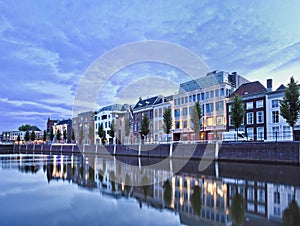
column 212, row 197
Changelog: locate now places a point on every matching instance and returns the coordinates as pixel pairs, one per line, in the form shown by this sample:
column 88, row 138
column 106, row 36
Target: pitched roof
column 281, row 87
column 249, row 88
column 34, row 128
column 65, row 121
column 147, row 102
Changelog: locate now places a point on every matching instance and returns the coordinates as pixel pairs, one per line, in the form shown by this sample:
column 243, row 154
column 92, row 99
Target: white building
column 277, row 127
column 105, row 116
column 211, row 91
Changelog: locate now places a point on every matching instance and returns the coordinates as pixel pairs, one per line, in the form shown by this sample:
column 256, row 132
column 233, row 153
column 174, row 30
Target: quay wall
column 266, row 152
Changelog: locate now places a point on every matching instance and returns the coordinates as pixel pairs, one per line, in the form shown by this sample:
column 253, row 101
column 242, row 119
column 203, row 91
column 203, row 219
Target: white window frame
column 248, row 118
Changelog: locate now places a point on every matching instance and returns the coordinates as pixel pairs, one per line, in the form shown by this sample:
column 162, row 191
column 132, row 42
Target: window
column 229, row 108
column 260, row 133
column 250, row 193
column 184, row 124
column 220, row 106
column 198, row 97
column 209, row 108
column 184, row 112
column 190, row 99
column 219, row 120
column 178, row 101
column 276, row 197
column 259, row 104
column 160, row 112
column 206, row 95
column 177, row 124
column 230, row 121
column 222, row 92
column 275, row 116
column 194, row 98
column 249, row 105
column 182, row 100
column 212, row 94
column 260, row 117
column 275, row 132
column 250, row 118
column 261, row 195
column 175, row 102
column 275, row 103
column 286, row 132
column 216, row 92
column 202, row 96
column 210, row 121
column 177, row 112
column 186, row 99
column 250, row 133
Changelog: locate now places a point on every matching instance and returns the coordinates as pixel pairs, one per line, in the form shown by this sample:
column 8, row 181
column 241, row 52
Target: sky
column 48, row 46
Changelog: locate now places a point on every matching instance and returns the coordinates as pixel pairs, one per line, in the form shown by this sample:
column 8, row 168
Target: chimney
column 269, row 84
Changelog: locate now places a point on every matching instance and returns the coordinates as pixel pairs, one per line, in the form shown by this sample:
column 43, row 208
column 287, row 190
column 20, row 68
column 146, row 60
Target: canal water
column 45, row 190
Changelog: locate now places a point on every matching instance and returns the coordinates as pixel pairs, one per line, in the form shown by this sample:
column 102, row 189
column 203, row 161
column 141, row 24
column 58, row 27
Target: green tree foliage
column 237, row 112
column 196, row 200
column 144, row 127
column 196, row 118
column 27, row 136
column 24, row 127
column 45, row 135
column 167, row 192
column 58, row 135
column 51, row 134
column 101, row 133
column 127, row 127
column 167, row 117
column 65, row 135
column 290, row 104
column 111, row 132
column 238, row 209
column 32, row 135
column 19, row 138
column 291, row 215
column 73, row 135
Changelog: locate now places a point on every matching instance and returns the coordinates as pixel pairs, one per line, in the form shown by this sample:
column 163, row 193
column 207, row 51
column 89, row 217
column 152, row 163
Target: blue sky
column 46, row 46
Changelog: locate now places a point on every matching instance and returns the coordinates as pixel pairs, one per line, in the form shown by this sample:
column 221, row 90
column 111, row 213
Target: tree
column 19, row 138
column 91, row 133
column 111, row 132
column 196, row 200
column 167, row 122
column 290, row 104
column 45, row 135
column 51, row 134
column 24, row 127
column 58, row 135
column 73, row 135
column 196, row 118
column 238, row 209
column 237, row 112
column 27, row 136
column 101, row 133
column 65, row 135
column 32, row 135
column 144, row 127
column 291, row 215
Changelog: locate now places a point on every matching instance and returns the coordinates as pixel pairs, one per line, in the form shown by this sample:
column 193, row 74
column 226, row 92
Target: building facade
column 254, row 100
column 83, row 127
column 211, row 92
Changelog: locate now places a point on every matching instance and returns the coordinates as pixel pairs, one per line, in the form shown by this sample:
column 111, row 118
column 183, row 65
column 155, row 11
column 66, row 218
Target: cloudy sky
column 47, row 47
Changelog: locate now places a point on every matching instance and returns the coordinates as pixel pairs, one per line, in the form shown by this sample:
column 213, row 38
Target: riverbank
column 261, row 152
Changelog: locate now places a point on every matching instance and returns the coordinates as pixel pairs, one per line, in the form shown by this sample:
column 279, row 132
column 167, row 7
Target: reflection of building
column 211, row 91
column 279, row 197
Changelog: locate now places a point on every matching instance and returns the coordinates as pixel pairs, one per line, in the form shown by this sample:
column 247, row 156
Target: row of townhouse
column 12, row 136
column 262, row 119
column 214, row 92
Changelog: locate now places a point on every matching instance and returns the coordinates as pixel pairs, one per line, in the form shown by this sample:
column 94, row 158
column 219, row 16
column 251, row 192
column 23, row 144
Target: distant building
column 105, row 115
column 142, row 107
column 12, row 136
column 63, row 125
column 50, row 123
column 83, row 126
column 254, row 100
